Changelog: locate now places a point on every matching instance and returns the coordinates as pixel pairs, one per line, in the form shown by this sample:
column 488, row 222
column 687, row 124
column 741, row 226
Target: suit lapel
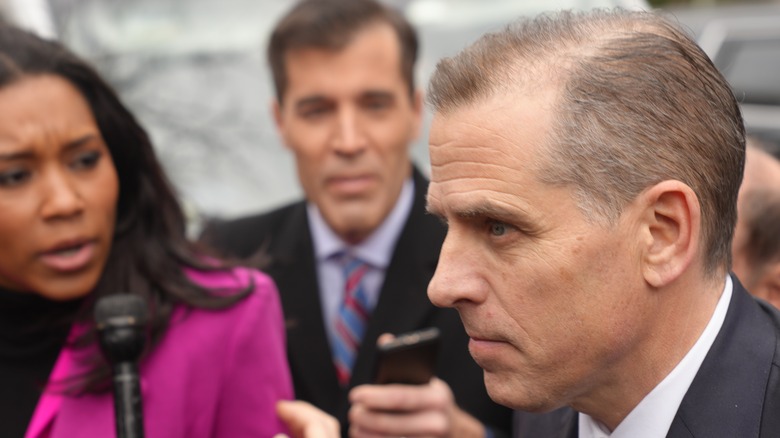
column 294, row 270
column 727, row 394
column 403, row 302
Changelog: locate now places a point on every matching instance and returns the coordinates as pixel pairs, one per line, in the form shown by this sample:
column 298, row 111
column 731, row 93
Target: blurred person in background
column 87, row 212
column 756, row 245
column 348, row 109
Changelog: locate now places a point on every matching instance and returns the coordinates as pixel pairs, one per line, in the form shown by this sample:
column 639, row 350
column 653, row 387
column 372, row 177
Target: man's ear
column 671, row 222
column 276, row 110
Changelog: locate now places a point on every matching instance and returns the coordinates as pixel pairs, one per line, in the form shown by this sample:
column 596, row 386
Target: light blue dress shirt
column 376, row 251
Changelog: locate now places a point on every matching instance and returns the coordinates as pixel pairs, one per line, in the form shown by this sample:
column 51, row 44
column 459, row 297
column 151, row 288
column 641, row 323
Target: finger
column 384, row 338
column 366, row 423
column 434, row 395
column 306, row 421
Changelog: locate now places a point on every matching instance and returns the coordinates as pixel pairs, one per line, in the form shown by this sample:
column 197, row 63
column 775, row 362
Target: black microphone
column 121, row 321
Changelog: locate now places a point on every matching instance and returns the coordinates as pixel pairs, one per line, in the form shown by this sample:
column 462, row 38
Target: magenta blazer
column 215, row 373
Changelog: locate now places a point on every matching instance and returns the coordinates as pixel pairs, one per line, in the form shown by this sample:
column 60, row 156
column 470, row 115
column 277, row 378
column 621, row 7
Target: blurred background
column 194, row 73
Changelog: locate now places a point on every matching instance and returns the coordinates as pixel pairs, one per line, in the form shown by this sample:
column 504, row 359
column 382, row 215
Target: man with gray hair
column 587, row 166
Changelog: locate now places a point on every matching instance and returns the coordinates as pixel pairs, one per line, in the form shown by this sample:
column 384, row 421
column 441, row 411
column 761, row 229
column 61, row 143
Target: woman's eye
column 14, row 177
column 86, row 160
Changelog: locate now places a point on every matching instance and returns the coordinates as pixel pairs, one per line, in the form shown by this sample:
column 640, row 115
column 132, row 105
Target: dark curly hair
column 150, row 249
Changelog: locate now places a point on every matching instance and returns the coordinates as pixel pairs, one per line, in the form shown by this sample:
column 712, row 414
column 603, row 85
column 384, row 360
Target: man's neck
column 680, row 317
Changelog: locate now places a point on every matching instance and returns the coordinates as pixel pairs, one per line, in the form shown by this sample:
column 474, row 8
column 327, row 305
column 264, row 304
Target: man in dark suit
column 588, row 165
column 348, row 109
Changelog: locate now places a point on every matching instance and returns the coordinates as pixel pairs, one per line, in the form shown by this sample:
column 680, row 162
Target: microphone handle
column 127, row 401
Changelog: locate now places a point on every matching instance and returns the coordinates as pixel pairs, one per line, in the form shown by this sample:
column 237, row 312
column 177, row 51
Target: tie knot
column 351, row 264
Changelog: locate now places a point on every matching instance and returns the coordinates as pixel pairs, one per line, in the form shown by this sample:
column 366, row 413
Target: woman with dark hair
column 87, row 212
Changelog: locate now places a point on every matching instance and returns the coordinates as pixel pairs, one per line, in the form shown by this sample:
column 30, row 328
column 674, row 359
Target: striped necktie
column 352, row 318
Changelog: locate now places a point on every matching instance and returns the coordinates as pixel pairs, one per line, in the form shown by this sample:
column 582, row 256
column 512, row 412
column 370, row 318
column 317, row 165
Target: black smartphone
column 409, row 359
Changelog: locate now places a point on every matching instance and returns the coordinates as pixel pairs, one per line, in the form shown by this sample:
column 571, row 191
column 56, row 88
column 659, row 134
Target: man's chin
column 354, row 230
column 352, row 221
column 515, row 395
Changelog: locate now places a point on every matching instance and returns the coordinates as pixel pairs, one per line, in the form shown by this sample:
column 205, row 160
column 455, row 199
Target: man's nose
column 350, row 138
column 456, row 280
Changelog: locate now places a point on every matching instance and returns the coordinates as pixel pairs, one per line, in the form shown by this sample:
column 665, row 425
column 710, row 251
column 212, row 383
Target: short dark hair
column 639, row 102
column 149, row 248
column 331, row 25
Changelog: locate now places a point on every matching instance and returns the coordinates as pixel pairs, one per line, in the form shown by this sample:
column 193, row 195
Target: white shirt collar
column 653, row 416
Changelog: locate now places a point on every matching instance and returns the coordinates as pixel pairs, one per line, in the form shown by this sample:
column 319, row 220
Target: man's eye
column 498, row 228
column 314, row 111
column 376, row 104
column 311, row 113
column 14, row 177
column 86, row 160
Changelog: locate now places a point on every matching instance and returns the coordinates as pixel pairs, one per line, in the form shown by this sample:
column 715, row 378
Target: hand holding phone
column 409, row 359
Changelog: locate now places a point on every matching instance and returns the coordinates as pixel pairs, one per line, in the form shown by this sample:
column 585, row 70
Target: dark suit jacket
column 283, row 236
column 736, row 392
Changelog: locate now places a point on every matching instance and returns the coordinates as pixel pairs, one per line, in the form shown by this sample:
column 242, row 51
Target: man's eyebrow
column 484, row 209
column 310, row 100
column 488, row 209
column 377, row 94
column 430, row 208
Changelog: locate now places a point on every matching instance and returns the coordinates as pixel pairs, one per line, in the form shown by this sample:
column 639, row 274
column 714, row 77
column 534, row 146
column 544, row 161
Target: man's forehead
column 501, row 142
column 368, row 64
column 372, row 43
column 482, row 152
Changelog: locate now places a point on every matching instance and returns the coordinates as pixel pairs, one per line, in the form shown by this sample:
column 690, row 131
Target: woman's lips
column 71, row 258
